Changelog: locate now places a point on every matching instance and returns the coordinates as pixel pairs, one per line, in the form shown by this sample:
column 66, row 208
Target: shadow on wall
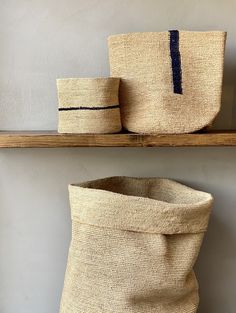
column 215, row 276
column 226, row 118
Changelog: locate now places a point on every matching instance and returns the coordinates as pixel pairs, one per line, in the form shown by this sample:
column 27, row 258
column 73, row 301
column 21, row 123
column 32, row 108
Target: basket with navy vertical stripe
column 89, row 105
column 171, row 82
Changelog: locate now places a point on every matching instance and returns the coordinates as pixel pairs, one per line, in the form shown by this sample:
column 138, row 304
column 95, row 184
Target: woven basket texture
column 89, row 105
column 171, row 82
column 134, row 244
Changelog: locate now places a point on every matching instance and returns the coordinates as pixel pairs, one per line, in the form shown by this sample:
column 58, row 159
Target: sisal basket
column 171, row 82
column 88, row 105
column 134, row 244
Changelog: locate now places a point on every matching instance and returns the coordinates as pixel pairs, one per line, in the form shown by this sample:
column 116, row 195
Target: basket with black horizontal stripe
column 171, row 82
column 88, row 105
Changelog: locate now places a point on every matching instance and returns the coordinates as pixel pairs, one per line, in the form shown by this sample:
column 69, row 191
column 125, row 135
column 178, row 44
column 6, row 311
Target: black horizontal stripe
column 89, row 108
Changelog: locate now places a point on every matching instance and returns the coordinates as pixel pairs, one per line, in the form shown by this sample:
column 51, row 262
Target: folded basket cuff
column 152, row 205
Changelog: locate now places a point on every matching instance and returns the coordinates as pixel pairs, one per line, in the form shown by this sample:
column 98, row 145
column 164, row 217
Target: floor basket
column 134, row 244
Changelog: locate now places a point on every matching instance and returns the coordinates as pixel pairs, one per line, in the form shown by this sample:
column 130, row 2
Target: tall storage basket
column 134, row 244
column 171, row 82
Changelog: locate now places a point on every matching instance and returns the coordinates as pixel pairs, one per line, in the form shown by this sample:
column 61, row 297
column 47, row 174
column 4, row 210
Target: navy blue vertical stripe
column 175, row 61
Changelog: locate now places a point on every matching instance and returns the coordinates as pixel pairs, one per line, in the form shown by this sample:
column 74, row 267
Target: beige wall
column 42, row 40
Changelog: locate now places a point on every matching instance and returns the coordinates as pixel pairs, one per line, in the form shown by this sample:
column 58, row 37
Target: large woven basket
column 89, row 105
column 171, row 82
column 134, row 244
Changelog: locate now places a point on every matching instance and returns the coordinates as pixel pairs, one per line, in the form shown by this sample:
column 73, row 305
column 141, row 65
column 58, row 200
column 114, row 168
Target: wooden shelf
column 51, row 139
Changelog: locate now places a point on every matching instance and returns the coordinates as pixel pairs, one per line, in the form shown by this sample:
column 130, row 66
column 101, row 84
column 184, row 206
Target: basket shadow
column 213, row 271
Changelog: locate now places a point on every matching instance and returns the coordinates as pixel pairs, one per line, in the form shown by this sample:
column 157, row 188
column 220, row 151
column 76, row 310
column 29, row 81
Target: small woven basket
column 171, row 82
column 134, row 244
column 89, row 105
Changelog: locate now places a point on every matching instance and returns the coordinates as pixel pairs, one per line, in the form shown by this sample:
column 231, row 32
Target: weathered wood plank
column 51, row 139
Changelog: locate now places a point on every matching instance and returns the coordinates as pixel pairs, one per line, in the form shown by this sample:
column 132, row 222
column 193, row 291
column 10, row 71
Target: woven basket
column 88, row 105
column 134, row 244
column 171, row 82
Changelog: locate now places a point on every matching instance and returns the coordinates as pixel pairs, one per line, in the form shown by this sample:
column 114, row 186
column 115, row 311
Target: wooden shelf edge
column 52, row 139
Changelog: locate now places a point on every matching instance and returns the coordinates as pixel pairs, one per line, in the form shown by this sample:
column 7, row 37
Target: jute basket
column 89, row 105
column 134, row 244
column 171, row 82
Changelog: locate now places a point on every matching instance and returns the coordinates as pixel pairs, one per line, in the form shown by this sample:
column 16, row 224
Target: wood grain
column 51, row 139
